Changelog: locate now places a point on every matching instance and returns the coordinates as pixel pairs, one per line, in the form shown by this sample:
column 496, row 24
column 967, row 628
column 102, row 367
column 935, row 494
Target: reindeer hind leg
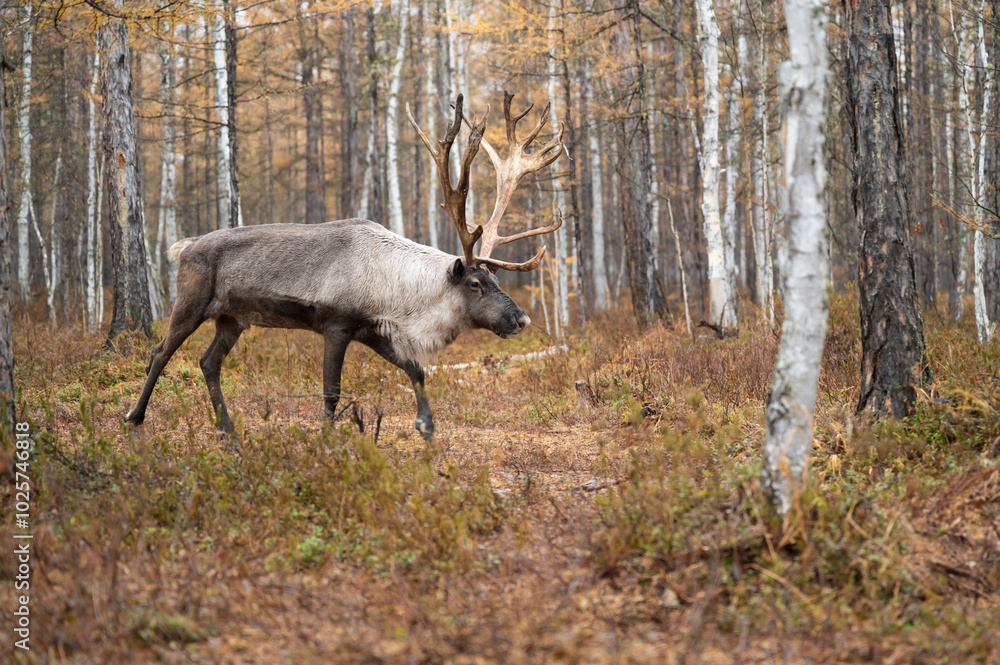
column 184, row 320
column 227, row 332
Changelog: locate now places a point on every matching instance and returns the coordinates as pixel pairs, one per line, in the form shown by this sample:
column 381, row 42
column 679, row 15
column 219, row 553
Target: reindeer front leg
column 425, row 420
column 335, row 343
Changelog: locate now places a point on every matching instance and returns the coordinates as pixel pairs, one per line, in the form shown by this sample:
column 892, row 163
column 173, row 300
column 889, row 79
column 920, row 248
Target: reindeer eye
column 475, row 284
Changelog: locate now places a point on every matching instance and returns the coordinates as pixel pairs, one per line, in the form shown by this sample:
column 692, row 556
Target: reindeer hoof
column 135, row 419
column 425, row 426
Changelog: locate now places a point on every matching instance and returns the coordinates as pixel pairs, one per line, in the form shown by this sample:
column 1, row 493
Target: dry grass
column 535, row 529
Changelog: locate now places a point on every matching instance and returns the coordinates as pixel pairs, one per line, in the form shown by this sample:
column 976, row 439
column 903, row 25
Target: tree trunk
column 733, row 124
column 315, row 186
column 984, row 326
column 758, row 167
column 416, row 40
column 708, row 37
column 599, row 268
column 25, row 210
column 635, row 168
column 8, row 394
column 892, row 335
column 168, row 171
column 92, row 320
column 131, row 289
column 560, row 259
column 392, row 116
column 429, row 92
column 992, row 185
column 349, row 120
column 574, row 209
column 224, row 55
column 372, row 202
column 796, row 372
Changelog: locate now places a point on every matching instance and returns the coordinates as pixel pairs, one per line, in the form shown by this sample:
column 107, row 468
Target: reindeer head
column 489, row 306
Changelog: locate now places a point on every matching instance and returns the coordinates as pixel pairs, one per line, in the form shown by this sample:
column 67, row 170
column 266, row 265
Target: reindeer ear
column 456, row 270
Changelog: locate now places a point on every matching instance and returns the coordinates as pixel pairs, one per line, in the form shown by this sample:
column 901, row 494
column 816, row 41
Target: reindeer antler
column 455, row 197
column 510, row 170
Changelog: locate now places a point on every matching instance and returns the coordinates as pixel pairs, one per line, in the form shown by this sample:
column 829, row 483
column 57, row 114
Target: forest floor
column 538, row 527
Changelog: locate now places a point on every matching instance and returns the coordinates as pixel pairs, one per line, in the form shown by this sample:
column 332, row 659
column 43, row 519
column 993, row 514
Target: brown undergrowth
column 538, row 527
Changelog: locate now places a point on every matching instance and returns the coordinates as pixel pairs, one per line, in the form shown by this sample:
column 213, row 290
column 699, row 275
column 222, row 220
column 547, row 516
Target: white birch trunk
column 92, row 322
column 46, row 267
column 984, row 326
column 168, row 172
column 708, row 38
column 465, row 86
column 430, row 94
column 453, row 88
column 392, row 113
column 655, row 180
column 25, row 212
column 55, row 245
column 796, row 374
column 559, row 200
column 597, row 222
column 223, row 156
column 99, row 244
column 733, row 123
column 365, row 212
column 680, row 269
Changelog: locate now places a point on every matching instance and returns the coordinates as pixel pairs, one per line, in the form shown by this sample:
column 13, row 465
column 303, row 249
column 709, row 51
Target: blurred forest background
column 251, row 113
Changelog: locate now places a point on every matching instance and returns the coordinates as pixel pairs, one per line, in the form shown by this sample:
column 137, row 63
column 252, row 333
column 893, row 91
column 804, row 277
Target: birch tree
column 167, row 226
column 25, row 209
column 796, row 373
column 733, row 125
column 429, row 92
column 223, row 42
column 371, row 202
column 392, row 116
column 984, row 326
column 758, row 168
column 94, row 247
column 597, row 215
column 131, row 289
column 7, row 388
column 559, row 260
column 309, row 61
column 708, row 39
column 892, row 330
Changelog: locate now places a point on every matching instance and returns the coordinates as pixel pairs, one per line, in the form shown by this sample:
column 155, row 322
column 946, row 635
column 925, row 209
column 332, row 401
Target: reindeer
column 355, row 281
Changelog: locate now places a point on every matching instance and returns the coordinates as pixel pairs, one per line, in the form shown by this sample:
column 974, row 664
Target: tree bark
column 315, row 185
column 708, row 38
column 8, row 393
column 349, row 123
column 227, row 177
column 391, row 130
column 984, row 326
column 635, row 168
column 796, row 372
column 432, row 187
column 95, row 295
column 25, row 210
column 131, row 290
column 372, row 202
column 168, row 170
column 992, row 185
column 892, row 337
column 560, row 258
column 599, row 269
